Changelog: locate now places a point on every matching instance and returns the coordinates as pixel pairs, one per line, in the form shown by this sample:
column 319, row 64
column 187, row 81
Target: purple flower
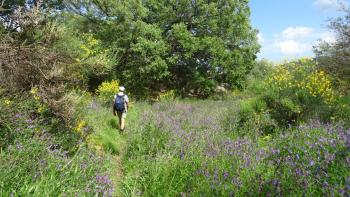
column 275, row 182
column 226, row 175
column 325, row 185
column 312, row 162
column 18, row 115
column 298, row 172
column 207, row 174
column 29, row 121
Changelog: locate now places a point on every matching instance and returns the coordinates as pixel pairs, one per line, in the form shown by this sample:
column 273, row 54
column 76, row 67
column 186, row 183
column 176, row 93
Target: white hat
column 121, row 88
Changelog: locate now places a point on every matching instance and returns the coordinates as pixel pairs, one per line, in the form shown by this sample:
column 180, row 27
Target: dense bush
column 254, row 119
column 341, row 110
column 290, row 94
column 297, row 91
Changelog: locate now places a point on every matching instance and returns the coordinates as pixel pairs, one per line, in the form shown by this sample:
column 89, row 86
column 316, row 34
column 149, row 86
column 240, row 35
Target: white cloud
column 327, row 36
column 330, row 4
column 260, row 38
column 297, row 32
column 293, row 42
column 292, row 47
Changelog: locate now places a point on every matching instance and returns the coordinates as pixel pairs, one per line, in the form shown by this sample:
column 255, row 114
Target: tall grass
column 41, row 156
column 185, row 149
column 170, row 148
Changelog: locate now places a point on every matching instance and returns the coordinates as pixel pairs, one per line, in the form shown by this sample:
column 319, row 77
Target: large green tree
column 334, row 57
column 191, row 46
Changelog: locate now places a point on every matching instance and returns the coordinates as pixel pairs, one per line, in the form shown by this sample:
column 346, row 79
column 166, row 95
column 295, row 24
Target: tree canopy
column 149, row 46
column 334, row 57
column 189, row 46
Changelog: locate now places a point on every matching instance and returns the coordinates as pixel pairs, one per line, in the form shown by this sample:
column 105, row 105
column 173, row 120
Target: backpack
column 119, row 103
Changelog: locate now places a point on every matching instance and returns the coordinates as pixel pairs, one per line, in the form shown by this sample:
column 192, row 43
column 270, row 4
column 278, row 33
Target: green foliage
column 341, row 110
column 258, row 74
column 188, row 46
column 254, row 119
column 30, row 167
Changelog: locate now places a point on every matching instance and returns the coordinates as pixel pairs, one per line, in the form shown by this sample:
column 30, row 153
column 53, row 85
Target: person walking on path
column 120, row 107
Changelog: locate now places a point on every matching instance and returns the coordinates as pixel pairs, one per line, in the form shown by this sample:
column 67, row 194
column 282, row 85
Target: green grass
column 186, row 148
column 171, row 148
column 106, row 128
column 40, row 156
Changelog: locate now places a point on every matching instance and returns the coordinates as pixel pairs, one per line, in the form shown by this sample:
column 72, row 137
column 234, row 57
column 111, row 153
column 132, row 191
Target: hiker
column 120, row 106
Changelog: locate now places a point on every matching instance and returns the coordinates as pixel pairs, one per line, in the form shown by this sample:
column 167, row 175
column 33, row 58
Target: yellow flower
column 7, row 102
column 34, row 90
column 80, row 125
column 34, row 93
column 40, row 109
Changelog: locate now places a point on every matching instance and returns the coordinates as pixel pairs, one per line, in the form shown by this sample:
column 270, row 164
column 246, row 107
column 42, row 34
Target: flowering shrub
column 167, row 96
column 106, row 91
column 302, row 79
column 297, row 90
column 82, row 128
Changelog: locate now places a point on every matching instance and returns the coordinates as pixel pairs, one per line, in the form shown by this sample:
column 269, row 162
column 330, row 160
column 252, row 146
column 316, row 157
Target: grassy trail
column 108, row 138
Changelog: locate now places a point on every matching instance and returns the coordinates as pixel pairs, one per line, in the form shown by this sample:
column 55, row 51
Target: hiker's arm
column 113, row 108
column 126, row 106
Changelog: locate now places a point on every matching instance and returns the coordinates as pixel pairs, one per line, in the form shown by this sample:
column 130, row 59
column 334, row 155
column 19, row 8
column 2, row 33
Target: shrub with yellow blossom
column 167, row 96
column 296, row 89
column 107, row 90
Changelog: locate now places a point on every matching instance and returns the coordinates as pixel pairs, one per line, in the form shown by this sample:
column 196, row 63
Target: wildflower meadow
column 209, row 106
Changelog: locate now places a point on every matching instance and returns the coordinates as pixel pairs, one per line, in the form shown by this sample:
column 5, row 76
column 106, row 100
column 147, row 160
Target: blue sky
column 289, row 28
